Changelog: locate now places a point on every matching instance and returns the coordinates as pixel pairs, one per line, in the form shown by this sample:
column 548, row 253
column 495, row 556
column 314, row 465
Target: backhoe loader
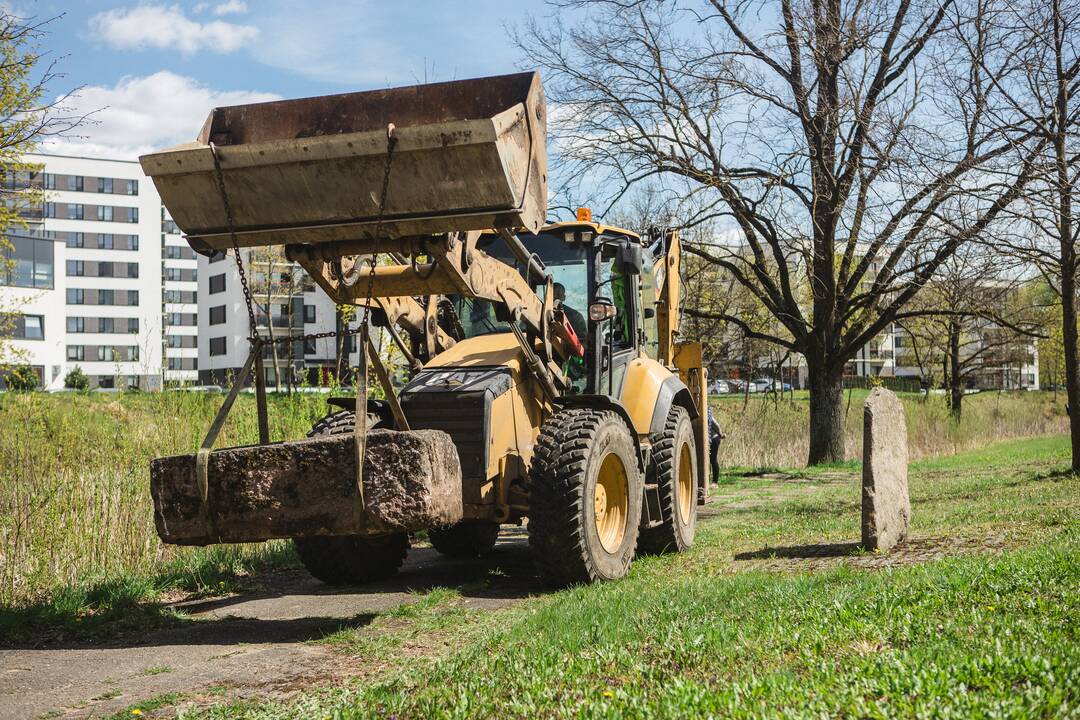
column 546, row 383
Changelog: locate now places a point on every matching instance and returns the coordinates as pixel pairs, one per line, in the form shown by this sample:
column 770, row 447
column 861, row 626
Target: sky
column 151, row 71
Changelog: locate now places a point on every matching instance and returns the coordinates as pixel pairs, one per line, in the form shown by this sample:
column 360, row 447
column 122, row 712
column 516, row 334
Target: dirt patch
column 915, row 550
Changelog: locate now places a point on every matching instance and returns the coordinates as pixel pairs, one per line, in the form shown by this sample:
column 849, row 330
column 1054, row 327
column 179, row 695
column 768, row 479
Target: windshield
column 568, row 266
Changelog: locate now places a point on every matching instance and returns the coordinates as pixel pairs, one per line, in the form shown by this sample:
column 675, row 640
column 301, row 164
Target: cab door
column 617, row 338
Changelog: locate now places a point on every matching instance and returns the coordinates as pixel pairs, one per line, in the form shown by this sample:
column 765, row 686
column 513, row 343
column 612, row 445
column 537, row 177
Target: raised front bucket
column 469, row 155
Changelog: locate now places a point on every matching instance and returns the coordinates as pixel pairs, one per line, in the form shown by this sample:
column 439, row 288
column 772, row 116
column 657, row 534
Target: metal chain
column 253, row 328
column 391, row 141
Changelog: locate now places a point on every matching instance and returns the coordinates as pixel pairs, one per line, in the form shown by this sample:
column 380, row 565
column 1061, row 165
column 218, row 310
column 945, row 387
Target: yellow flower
column 609, row 694
column 136, row 712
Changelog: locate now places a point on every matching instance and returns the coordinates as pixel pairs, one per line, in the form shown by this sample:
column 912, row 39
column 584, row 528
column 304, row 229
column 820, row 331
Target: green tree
column 27, row 116
column 76, row 379
column 22, row 378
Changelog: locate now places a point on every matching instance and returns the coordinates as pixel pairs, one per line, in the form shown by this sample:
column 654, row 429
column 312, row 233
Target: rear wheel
column 673, row 467
column 349, row 559
column 465, row 539
column 585, row 494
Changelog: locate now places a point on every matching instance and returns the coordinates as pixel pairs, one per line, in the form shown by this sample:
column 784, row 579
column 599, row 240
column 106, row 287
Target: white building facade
column 296, row 307
column 86, row 282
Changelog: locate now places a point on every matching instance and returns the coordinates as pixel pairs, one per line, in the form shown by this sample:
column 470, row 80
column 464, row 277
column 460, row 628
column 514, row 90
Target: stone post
column 886, row 508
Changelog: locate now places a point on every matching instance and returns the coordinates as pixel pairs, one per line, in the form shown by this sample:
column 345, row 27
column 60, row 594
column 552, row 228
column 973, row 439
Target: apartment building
column 86, row 281
column 180, row 309
column 286, row 302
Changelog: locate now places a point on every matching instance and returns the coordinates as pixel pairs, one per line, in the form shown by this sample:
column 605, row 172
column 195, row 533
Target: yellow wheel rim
column 686, row 483
column 611, row 502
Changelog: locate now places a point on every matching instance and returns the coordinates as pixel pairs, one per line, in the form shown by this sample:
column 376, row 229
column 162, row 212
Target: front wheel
column 585, row 493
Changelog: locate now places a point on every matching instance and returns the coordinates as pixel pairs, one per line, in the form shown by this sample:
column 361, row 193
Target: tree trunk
column 1065, row 240
column 956, row 390
column 826, row 413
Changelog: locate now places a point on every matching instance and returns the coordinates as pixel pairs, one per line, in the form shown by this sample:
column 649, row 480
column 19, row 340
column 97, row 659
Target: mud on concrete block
column 412, row 480
column 886, row 507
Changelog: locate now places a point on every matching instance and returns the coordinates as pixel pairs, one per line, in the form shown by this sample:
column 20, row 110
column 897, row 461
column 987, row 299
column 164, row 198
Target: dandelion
column 609, row 694
column 136, row 712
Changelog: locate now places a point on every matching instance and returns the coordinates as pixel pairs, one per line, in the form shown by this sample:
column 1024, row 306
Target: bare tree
column 831, row 134
column 976, row 319
column 1046, row 49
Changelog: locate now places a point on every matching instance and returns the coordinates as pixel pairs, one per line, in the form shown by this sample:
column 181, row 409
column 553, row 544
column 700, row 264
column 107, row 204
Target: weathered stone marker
column 412, row 480
column 886, row 508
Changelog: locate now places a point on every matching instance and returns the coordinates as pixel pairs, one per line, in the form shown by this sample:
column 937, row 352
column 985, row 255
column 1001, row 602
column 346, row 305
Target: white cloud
column 141, row 114
column 166, row 27
column 231, row 6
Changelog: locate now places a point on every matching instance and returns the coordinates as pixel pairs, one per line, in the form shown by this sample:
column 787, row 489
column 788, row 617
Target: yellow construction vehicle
column 547, row 380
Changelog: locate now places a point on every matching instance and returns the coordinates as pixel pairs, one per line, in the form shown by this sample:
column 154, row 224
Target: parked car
column 720, row 387
column 761, row 385
column 736, row 385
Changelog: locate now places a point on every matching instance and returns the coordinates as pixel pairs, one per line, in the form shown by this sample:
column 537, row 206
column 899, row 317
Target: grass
column 769, row 432
column 75, row 509
column 974, row 617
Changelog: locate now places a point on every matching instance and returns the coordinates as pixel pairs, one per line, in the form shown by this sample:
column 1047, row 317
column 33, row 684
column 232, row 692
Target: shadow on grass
column 818, row 550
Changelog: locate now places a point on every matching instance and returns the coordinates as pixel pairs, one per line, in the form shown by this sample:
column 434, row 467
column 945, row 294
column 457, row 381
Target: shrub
column 76, row 379
column 22, row 378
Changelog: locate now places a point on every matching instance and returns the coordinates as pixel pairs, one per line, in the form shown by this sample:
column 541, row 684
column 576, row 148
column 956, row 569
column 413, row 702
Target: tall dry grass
column 74, row 480
column 766, row 432
column 74, row 469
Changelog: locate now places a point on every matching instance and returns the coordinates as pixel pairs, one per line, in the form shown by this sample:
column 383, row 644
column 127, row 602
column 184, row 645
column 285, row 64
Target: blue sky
column 153, row 70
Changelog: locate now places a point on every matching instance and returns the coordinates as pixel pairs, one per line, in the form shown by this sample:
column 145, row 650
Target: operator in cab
column 577, row 320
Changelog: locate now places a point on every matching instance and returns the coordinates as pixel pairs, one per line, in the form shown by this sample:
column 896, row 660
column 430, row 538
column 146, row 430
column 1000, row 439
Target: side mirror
column 602, row 309
column 629, row 259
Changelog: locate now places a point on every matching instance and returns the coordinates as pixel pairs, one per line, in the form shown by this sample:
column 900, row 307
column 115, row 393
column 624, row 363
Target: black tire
column 676, row 532
column 465, row 539
column 573, row 446
column 352, row 559
column 349, row 559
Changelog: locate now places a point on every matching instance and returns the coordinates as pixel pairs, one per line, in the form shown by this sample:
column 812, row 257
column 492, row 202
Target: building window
column 133, row 353
column 217, row 283
column 105, row 353
column 76, row 268
column 105, row 241
column 133, row 215
column 173, row 275
column 133, row 297
column 106, row 325
column 217, row 346
column 106, row 297
column 77, row 211
column 132, row 187
column 31, row 262
column 105, row 185
column 76, row 240
column 133, row 325
column 217, row 315
column 50, row 181
column 76, row 296
column 309, row 313
column 309, row 347
column 78, row 183
column 76, row 324
column 105, row 212
column 133, row 270
column 76, row 352
column 28, row 327
column 133, row 242
column 105, row 269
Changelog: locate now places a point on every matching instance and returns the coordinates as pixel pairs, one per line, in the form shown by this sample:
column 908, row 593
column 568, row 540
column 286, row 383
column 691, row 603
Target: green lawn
column 975, row 617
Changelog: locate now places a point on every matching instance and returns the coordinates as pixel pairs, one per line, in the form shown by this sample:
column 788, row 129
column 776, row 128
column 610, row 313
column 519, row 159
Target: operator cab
column 604, row 279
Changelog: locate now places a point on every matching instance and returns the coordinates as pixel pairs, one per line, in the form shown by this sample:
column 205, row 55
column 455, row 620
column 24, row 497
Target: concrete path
column 250, row 643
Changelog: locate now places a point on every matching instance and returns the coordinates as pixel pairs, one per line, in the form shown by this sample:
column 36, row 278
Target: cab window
column 617, row 286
